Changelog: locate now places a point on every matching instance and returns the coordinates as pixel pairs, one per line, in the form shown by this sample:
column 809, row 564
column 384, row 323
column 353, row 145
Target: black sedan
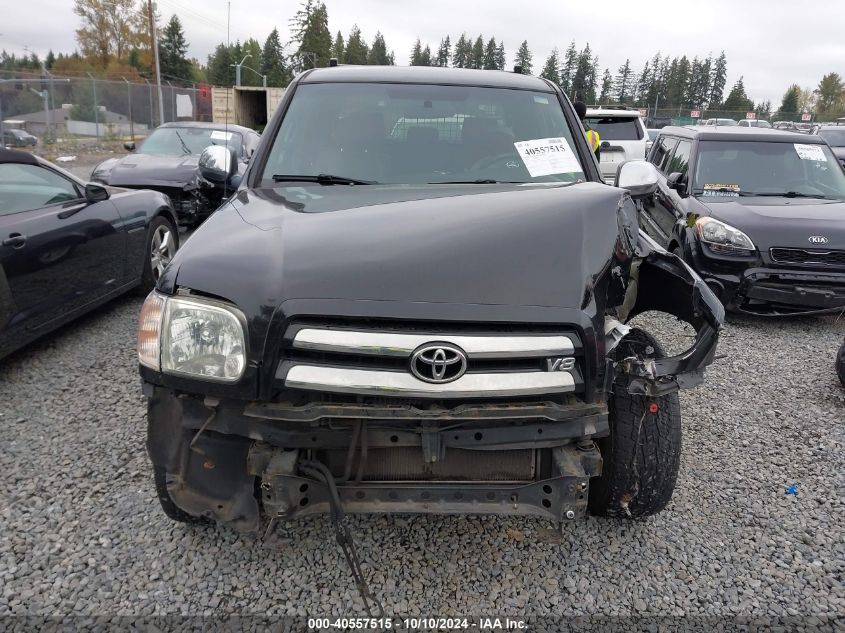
column 834, row 135
column 167, row 161
column 67, row 247
column 759, row 214
column 19, row 138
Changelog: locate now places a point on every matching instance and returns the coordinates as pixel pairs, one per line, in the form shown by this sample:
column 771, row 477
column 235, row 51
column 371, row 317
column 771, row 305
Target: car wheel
column 162, row 243
column 642, row 454
column 840, row 364
column 173, row 511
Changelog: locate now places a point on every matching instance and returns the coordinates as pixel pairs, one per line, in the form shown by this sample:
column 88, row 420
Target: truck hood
column 788, row 222
column 148, row 170
column 463, row 244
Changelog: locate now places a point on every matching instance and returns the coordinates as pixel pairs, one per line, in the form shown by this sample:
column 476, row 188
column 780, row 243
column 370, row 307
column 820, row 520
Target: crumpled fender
column 661, row 281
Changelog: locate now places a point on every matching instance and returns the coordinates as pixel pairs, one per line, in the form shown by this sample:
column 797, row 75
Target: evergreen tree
column 378, row 55
column 477, row 60
column 789, row 104
column 356, row 48
column 338, row 48
column 463, row 51
column 426, row 56
column 550, row 68
column 173, row 52
column 273, row 60
column 220, row 71
column 50, row 60
column 623, row 85
column 737, row 100
column 718, row 81
column 567, row 71
column 444, row 52
column 606, row 87
column 252, row 48
column 830, row 95
column 490, row 55
column 501, row 59
column 763, row 109
column 523, row 58
column 416, row 54
column 310, row 27
column 582, row 79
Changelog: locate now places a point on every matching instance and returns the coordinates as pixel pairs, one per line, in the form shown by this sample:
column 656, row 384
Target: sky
column 772, row 44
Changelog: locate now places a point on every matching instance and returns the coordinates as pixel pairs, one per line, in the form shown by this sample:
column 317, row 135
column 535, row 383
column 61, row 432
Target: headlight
column 724, row 237
column 196, row 337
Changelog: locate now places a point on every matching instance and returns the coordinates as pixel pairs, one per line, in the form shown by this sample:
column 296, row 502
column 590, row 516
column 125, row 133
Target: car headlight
column 192, row 337
column 723, row 238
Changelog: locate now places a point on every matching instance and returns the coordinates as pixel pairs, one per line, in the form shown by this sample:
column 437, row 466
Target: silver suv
column 623, row 137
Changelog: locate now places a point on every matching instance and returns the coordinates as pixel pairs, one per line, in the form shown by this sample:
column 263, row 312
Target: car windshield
column 414, row 134
column 835, row 138
column 652, row 134
column 731, row 168
column 616, row 128
column 175, row 141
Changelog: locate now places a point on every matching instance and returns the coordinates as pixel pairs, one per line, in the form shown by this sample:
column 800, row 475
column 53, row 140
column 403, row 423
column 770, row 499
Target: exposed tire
column 162, row 243
column 840, row 364
column 173, row 511
column 642, row 455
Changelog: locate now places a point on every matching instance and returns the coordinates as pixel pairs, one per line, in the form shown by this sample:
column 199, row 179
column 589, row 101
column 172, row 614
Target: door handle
column 15, row 240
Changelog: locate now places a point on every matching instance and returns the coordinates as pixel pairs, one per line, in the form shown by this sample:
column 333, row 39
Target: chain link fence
column 61, row 108
column 687, row 116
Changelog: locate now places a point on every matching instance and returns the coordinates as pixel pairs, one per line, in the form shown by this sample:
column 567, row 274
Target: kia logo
column 438, row 362
column 817, row 239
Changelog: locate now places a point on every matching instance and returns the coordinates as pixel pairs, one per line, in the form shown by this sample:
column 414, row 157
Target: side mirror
column 678, row 182
column 218, row 163
column 95, row 193
column 638, row 177
column 129, row 146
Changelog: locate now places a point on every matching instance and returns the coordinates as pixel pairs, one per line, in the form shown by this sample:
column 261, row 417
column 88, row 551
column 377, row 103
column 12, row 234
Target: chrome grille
column 808, row 256
column 375, row 360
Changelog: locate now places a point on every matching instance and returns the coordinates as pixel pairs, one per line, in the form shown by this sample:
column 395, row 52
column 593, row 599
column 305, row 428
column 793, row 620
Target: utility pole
column 96, row 107
column 129, row 101
column 238, row 69
column 154, row 43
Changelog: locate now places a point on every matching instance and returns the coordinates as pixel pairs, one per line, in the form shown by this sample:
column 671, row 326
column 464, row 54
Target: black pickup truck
column 415, row 301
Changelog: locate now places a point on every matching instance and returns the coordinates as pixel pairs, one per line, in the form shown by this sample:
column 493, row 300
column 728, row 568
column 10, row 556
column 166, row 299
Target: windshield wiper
column 785, row 194
column 182, row 141
column 323, row 179
column 480, row 181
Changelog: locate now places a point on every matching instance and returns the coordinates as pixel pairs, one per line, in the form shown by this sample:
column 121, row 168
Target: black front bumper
column 753, row 286
column 772, row 291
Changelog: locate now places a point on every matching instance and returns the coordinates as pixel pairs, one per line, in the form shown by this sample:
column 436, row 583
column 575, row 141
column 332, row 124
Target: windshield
column 176, row 141
column 835, row 138
column 409, row 133
column 732, row 168
column 616, row 128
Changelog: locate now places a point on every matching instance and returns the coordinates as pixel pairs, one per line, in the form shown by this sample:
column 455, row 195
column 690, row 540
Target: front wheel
column 162, row 242
column 840, row 364
column 642, row 454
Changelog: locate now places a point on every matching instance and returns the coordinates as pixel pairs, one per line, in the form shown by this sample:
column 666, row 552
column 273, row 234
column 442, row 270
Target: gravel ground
column 82, row 532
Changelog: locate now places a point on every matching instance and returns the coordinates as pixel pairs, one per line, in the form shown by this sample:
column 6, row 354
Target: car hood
column 148, row 170
column 789, row 222
column 466, row 244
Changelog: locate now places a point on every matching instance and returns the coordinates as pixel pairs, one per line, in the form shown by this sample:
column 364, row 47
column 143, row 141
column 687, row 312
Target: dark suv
column 759, row 214
column 416, row 301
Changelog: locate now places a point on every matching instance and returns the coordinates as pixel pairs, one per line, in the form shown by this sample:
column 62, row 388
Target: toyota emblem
column 438, row 362
column 817, row 239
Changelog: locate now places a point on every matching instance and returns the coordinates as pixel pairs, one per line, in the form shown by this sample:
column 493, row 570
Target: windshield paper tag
column 547, row 156
column 719, row 190
column 810, row 152
column 217, row 135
